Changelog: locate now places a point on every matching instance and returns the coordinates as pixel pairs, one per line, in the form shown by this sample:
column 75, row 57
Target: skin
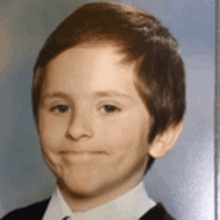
column 93, row 126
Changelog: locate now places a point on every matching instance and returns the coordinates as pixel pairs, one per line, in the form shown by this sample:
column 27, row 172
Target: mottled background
column 183, row 181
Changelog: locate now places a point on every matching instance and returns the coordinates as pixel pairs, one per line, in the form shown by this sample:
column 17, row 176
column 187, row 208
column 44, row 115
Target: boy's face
column 93, row 124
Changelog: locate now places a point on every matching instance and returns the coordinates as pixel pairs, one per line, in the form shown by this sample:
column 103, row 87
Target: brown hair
column 160, row 75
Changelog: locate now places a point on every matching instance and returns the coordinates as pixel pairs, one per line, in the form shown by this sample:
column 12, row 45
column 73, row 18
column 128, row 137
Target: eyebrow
column 98, row 94
column 111, row 93
column 54, row 95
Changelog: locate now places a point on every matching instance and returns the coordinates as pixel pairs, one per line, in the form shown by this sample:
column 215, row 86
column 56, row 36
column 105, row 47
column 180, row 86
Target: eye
column 60, row 109
column 109, row 109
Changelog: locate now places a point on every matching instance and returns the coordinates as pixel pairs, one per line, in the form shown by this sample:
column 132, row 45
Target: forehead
column 89, row 69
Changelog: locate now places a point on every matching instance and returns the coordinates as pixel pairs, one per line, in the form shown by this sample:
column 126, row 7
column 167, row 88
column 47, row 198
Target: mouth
column 82, row 152
column 82, row 156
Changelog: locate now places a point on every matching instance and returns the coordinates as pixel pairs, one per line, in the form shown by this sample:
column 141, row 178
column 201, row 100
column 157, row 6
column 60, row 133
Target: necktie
column 65, row 218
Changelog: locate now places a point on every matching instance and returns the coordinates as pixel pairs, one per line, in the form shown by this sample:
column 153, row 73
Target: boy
column 108, row 97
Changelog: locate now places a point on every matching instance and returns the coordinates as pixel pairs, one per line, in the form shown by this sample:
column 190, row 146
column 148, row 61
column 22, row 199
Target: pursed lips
column 82, row 156
column 82, row 152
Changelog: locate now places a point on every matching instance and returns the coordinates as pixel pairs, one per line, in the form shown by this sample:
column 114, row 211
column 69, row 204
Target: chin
column 83, row 187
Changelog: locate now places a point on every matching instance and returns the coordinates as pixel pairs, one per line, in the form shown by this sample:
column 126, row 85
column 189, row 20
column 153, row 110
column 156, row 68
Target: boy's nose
column 80, row 126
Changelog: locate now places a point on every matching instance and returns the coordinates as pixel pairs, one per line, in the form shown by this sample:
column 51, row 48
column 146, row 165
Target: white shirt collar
column 131, row 205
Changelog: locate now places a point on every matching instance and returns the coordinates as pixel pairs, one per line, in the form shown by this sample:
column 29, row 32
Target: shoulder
column 33, row 211
column 157, row 212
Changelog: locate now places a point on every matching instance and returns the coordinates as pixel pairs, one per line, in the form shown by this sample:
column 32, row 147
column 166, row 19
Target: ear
column 165, row 142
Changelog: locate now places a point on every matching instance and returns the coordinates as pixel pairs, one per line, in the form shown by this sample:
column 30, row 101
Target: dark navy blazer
column 37, row 210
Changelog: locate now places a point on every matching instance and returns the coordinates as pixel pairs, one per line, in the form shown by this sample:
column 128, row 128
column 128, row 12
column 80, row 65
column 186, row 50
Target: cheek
column 128, row 154
column 124, row 137
column 51, row 131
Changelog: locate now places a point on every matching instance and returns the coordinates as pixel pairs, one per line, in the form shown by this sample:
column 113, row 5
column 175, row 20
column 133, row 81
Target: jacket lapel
column 157, row 212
